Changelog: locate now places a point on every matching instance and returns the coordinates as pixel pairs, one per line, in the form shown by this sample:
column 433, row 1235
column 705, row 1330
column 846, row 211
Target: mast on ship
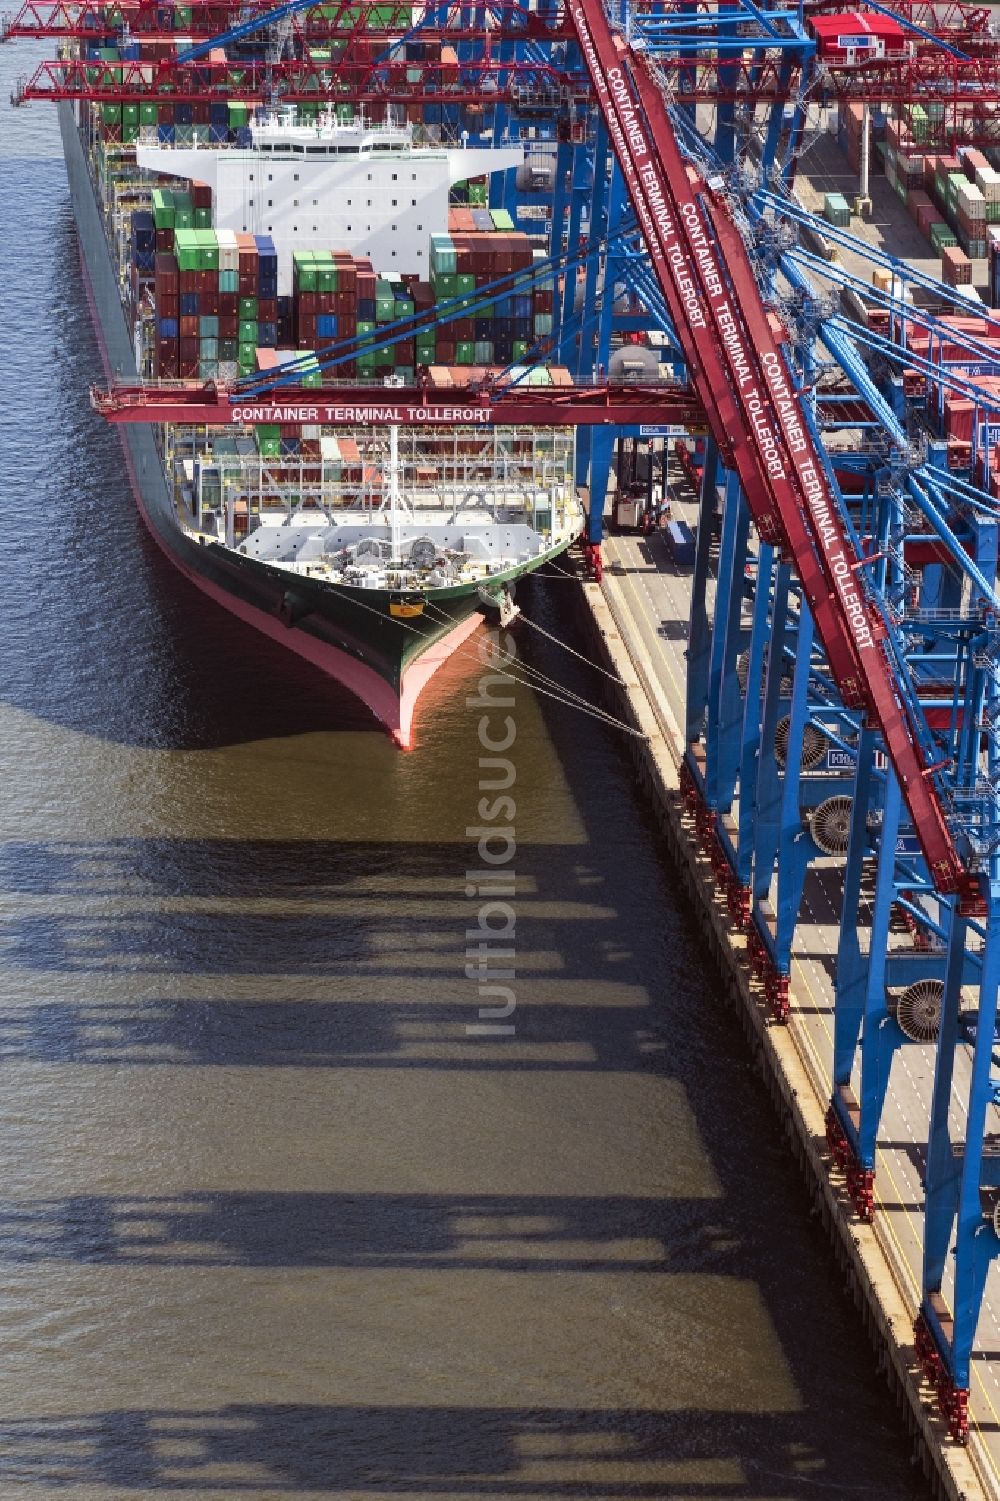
column 394, row 510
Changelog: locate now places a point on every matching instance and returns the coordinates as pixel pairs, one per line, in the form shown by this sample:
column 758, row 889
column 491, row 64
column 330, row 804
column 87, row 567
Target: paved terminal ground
column 823, row 169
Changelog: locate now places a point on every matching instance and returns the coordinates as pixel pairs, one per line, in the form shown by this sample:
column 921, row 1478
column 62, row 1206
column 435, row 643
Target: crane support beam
column 353, row 406
column 733, row 349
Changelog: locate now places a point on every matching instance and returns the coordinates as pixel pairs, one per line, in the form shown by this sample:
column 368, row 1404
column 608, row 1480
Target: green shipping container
column 239, row 115
column 248, row 332
column 325, row 270
column 186, row 249
column 304, row 271
column 248, row 355
column 502, row 222
column 465, row 353
column 208, row 250
column 942, row 236
column 520, row 349
column 248, row 310
column 111, row 114
column 426, row 351
column 147, row 114
column 203, row 218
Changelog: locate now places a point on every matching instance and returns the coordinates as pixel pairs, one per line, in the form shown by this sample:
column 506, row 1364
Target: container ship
column 235, row 249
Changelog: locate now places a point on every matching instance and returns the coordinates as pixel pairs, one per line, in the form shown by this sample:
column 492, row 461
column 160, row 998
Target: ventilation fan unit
column 830, row 824
column 814, row 744
column 918, row 1010
column 743, row 674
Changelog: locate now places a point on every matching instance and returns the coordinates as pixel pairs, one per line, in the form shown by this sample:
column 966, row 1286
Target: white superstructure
column 327, row 184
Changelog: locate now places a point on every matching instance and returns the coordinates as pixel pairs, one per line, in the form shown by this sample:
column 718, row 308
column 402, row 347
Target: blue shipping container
column 168, row 328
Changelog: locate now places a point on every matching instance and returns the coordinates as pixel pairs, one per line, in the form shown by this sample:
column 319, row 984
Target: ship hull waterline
column 298, row 613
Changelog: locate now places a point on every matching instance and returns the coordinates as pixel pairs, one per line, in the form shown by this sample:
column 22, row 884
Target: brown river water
column 274, row 1222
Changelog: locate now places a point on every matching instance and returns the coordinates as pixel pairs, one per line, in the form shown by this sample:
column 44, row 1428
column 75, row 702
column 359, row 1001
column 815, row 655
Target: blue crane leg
column 852, row 965
column 700, row 630
column 793, row 847
column 942, row 1175
column 768, row 791
column 878, row 1038
column 725, row 705
column 751, row 713
column 976, row 1244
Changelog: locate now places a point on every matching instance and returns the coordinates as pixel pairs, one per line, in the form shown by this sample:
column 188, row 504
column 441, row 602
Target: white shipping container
column 971, row 200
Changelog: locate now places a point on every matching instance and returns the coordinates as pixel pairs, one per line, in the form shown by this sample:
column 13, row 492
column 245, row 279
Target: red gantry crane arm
column 752, row 409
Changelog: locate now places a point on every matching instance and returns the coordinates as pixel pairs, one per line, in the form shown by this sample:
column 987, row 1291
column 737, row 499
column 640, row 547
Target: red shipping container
column 166, row 357
column 201, row 194
column 229, row 304
column 208, row 303
column 348, row 325
column 167, row 305
column 956, row 268
column 267, row 309
column 164, row 239
column 445, row 350
column 188, row 281
column 189, row 327
column 201, row 114
column 187, row 369
column 229, row 325
column 189, row 348
column 326, row 302
column 405, row 352
column 248, row 284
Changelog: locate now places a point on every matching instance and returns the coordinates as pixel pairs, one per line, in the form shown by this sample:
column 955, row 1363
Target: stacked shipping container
column 216, row 297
